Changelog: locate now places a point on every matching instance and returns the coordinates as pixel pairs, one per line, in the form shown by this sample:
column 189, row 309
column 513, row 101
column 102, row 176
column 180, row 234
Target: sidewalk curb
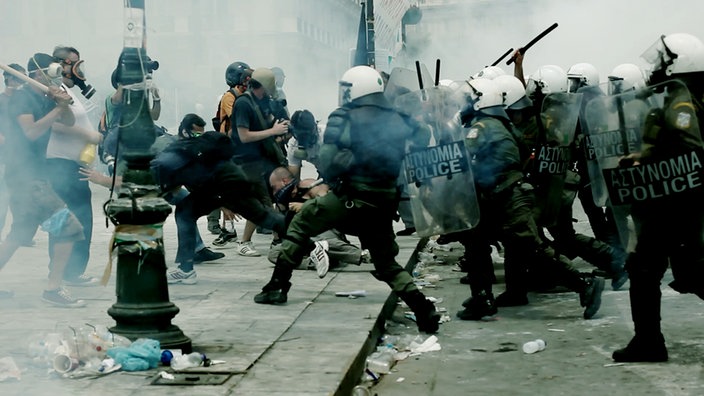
column 358, row 364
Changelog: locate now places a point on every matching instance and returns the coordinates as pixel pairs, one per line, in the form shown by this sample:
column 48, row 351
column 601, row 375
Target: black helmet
column 236, row 73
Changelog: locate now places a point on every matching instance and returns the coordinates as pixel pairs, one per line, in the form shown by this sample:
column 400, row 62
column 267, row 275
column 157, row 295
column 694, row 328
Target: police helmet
column 359, row 81
column 582, row 75
column 514, row 92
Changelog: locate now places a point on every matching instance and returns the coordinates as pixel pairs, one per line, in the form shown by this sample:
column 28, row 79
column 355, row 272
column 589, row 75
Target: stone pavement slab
column 307, row 346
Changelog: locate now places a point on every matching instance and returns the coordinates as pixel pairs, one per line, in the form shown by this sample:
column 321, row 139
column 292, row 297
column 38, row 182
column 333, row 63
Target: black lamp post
column 143, row 309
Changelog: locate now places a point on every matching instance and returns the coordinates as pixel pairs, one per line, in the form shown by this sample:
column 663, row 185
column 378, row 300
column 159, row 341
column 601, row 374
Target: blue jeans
column 182, row 222
column 67, row 183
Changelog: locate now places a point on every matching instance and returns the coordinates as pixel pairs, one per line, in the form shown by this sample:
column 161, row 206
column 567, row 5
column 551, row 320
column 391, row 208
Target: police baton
column 502, row 57
column 537, row 38
column 420, row 75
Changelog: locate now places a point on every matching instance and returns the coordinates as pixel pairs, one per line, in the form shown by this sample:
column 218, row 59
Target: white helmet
column 582, row 75
column 489, row 72
column 546, row 80
column 482, row 94
column 676, row 53
column 359, row 81
column 485, row 93
column 514, row 92
column 626, row 77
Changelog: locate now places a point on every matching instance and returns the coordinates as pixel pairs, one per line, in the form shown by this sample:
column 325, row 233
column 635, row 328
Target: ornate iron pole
column 143, row 309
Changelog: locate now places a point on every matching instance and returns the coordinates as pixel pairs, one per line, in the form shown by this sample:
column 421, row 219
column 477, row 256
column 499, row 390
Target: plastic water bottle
column 382, row 360
column 167, row 355
column 194, row 359
column 534, row 346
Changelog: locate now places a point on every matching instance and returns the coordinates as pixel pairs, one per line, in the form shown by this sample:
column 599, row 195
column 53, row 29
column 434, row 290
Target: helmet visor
column 573, row 84
column 655, row 53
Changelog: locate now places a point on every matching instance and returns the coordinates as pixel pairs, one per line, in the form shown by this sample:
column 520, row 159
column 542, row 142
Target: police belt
column 513, row 178
column 361, row 194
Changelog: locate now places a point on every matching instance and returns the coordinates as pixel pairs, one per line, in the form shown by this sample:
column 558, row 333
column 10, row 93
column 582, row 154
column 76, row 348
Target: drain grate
column 192, row 379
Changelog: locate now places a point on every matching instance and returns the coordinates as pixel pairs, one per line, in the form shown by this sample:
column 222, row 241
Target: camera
column 151, row 65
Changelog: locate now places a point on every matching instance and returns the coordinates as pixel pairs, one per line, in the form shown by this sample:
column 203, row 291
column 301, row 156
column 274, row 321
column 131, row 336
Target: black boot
column 274, row 292
column 643, row 349
column 608, row 260
column 590, row 296
column 478, row 306
column 427, row 317
column 648, row 345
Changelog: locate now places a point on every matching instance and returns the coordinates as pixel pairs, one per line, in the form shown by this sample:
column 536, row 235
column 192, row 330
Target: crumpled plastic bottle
column 382, row 360
column 183, row 362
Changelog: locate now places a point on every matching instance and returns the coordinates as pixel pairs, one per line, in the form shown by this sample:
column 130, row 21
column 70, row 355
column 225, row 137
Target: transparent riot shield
column 617, row 134
column 402, row 81
column 648, row 146
column 438, row 174
column 552, row 157
column 596, row 180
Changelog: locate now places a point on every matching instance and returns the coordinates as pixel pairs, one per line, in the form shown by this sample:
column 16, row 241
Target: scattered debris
column 352, row 294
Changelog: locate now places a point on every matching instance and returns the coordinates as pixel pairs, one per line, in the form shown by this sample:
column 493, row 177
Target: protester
column 32, row 200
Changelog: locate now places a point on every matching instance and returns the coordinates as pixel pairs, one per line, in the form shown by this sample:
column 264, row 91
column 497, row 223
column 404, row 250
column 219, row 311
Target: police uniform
column 506, row 205
column 361, row 156
column 596, row 251
column 670, row 228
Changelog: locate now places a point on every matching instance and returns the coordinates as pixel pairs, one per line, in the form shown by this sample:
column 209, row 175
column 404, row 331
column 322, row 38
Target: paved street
column 316, row 344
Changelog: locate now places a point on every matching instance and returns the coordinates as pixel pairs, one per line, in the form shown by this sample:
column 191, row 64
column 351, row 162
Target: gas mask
column 78, row 76
column 468, row 112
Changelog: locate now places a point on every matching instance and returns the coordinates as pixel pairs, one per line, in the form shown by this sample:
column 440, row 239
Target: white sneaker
column 61, row 298
column 177, row 275
column 319, row 257
column 247, row 249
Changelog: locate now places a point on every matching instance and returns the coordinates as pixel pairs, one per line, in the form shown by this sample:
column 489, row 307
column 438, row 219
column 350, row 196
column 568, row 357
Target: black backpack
column 191, row 162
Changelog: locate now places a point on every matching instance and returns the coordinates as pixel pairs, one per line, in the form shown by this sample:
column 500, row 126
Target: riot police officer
column 364, row 144
column 506, row 206
column 670, row 227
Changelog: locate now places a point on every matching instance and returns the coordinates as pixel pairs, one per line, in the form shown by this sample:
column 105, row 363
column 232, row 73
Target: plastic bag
column 142, row 354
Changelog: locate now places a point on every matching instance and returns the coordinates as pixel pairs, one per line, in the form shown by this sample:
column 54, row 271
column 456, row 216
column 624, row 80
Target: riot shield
column 596, row 180
column 438, row 174
column 552, row 157
column 648, row 146
column 402, row 81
